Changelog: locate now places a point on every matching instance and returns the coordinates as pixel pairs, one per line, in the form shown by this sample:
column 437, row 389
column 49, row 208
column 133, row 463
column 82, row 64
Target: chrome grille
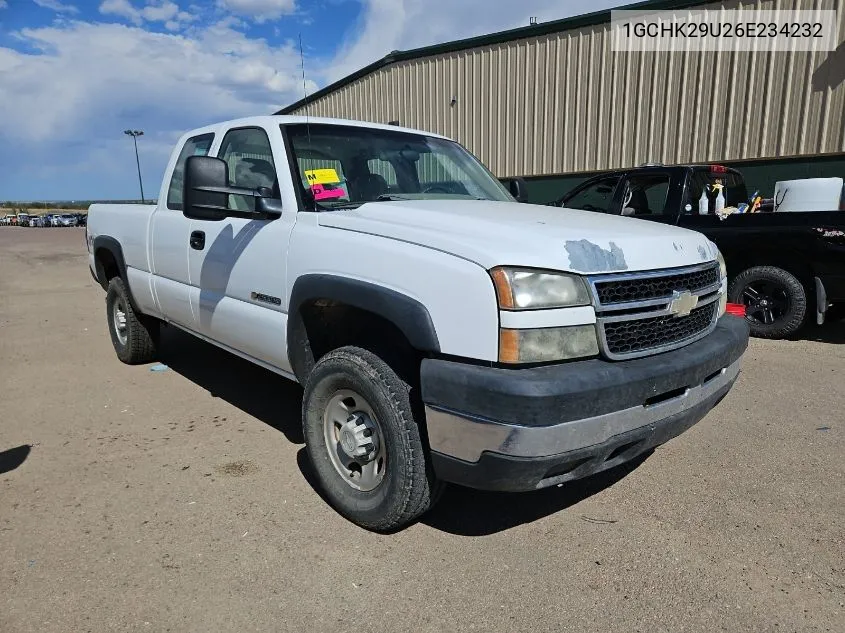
column 626, row 337
column 644, row 288
column 638, row 314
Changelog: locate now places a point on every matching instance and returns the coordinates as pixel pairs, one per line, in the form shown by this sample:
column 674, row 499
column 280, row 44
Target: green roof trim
column 543, row 28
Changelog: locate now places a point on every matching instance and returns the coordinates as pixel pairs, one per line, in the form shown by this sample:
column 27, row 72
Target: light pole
column 135, row 134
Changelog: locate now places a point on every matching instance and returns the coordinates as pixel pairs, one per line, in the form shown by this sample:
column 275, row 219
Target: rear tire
column 134, row 336
column 351, row 383
column 775, row 301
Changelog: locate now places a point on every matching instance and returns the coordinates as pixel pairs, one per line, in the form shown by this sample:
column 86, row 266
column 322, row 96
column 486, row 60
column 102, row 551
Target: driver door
column 237, row 265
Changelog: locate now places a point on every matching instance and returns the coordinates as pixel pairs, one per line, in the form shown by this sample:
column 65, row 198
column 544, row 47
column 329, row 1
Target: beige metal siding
column 564, row 102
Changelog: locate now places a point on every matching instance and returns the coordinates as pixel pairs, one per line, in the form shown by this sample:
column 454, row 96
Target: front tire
column 362, row 439
column 134, row 336
column 775, row 301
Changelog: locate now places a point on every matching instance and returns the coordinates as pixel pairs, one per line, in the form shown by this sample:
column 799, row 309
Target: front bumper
column 522, row 429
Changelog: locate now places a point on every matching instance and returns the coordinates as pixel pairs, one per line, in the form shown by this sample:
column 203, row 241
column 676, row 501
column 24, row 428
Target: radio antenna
column 304, row 86
column 305, row 92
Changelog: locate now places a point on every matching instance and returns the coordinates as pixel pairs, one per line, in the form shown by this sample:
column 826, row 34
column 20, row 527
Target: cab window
column 195, row 146
column 595, row 197
column 249, row 157
column 645, row 194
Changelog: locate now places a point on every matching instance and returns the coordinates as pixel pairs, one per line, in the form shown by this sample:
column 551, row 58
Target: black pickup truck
column 785, row 267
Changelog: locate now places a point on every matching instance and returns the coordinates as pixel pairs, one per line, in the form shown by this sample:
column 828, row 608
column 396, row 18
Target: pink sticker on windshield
column 321, row 192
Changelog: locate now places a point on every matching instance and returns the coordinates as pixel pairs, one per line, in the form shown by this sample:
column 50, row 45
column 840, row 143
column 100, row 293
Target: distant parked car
column 67, row 219
column 36, row 220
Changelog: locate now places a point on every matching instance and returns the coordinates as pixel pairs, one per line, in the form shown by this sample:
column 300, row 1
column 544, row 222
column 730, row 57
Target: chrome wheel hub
column 353, row 440
column 357, row 439
column 119, row 318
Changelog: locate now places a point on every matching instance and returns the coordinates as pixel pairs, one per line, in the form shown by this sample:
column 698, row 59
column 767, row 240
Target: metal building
column 552, row 102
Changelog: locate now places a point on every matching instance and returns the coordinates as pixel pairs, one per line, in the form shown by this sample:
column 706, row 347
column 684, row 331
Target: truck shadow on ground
column 278, row 403
column 254, row 390
column 828, row 333
column 466, row 512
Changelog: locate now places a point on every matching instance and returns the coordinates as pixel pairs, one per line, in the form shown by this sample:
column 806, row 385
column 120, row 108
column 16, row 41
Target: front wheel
column 363, row 441
column 775, row 300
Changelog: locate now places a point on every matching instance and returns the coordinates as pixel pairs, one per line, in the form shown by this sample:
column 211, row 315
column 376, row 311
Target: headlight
column 526, row 289
column 547, row 344
column 723, row 269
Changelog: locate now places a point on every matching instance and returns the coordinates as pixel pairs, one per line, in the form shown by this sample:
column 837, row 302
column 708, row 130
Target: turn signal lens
column 547, row 344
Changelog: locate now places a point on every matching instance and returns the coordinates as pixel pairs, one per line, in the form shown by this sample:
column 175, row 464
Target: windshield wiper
column 349, row 204
column 353, row 204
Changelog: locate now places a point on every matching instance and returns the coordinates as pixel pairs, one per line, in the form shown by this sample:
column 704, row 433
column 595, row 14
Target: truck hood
column 509, row 233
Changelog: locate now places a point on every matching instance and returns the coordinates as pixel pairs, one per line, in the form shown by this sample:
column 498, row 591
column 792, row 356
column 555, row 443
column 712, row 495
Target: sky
column 75, row 73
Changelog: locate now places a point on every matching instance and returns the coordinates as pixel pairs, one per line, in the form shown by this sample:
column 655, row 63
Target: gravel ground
column 181, row 500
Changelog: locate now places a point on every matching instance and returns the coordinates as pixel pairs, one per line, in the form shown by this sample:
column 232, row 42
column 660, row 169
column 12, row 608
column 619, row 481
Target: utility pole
column 135, row 134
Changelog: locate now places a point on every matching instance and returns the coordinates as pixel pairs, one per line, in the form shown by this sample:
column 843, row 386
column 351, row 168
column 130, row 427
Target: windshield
column 346, row 166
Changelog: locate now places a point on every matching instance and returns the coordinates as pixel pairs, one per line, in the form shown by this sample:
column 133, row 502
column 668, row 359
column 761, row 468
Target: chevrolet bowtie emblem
column 682, row 303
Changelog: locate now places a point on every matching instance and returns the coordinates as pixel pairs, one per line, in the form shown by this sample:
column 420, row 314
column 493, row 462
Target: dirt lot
column 180, row 500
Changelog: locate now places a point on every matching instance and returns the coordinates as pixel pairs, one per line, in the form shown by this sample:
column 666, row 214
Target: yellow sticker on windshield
column 321, row 176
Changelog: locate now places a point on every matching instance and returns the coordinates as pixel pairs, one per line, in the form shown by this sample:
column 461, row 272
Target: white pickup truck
column 442, row 331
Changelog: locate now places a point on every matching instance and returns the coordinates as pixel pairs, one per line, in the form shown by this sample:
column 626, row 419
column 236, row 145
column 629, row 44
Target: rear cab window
column 194, row 146
column 703, row 178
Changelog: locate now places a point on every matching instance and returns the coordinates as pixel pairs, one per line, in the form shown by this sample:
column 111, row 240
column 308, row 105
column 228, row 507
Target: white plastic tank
column 808, row 194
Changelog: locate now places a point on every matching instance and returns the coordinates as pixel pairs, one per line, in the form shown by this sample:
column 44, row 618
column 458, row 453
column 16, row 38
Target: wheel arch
column 110, row 263
column 108, row 260
column 409, row 317
column 790, row 260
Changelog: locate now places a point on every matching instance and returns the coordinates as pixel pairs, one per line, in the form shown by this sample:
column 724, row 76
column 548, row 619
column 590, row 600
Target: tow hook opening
column 666, row 395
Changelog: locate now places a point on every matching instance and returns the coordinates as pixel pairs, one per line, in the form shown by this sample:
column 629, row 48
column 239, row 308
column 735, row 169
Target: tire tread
column 797, row 296
column 419, row 488
column 141, row 331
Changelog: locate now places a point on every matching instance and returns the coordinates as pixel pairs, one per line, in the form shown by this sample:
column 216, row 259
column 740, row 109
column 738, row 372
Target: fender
column 407, row 314
column 106, row 243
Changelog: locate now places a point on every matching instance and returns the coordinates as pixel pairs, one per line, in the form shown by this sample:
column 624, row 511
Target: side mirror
column 206, row 191
column 518, row 189
column 200, row 201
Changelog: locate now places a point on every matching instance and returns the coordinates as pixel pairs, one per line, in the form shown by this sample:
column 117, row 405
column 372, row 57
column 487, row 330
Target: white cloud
column 56, row 6
column 3, row 4
column 85, row 73
column 387, row 25
column 88, row 82
column 259, row 10
column 157, row 11
column 160, row 13
column 122, row 8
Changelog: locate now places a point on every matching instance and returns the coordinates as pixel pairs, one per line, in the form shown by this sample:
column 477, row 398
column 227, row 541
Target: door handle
column 198, row 240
